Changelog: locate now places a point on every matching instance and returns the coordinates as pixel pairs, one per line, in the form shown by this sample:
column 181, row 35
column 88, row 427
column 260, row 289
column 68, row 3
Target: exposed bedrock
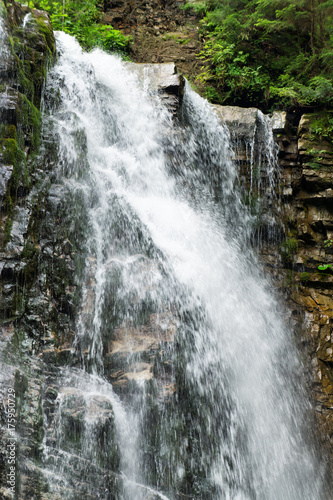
column 43, row 258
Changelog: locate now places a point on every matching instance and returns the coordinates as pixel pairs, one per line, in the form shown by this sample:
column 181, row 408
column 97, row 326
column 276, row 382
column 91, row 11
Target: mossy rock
column 34, row 49
column 8, row 132
column 3, row 10
column 30, row 119
column 288, row 249
column 13, row 155
column 9, row 151
column 315, row 139
column 45, row 28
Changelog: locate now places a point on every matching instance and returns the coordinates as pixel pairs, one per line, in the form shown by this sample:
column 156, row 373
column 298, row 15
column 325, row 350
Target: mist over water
column 168, row 233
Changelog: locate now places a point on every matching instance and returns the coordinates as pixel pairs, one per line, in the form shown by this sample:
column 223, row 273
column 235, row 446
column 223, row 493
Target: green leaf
column 325, row 267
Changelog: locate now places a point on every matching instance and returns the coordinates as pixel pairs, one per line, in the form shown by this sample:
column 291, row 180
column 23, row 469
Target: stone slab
column 242, row 122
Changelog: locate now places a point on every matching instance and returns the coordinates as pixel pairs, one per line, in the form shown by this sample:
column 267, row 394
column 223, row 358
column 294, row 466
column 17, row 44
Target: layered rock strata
column 299, row 256
column 42, row 259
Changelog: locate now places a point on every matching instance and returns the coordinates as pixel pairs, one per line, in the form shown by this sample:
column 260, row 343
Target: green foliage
column 288, row 249
column 30, row 118
column 322, row 127
column 304, row 278
column 325, row 267
column 81, row 18
column 198, row 7
column 3, row 10
column 269, row 53
column 8, row 229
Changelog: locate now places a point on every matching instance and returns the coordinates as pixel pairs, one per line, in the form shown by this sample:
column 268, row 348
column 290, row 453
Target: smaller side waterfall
column 256, row 154
column 26, row 19
column 267, row 157
column 268, row 203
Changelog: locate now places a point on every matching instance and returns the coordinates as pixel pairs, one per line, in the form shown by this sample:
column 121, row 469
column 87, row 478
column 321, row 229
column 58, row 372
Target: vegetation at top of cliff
column 268, row 53
column 81, row 18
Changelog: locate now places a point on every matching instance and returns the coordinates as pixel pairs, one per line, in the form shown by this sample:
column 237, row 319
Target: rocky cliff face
column 296, row 245
column 33, row 310
column 42, row 254
column 307, row 252
column 162, row 30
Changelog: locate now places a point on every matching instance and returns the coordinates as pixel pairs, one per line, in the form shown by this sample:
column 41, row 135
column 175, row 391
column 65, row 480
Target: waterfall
column 216, row 409
column 4, row 47
column 26, row 19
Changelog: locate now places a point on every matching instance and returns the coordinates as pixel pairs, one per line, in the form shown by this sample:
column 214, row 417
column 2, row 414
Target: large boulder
column 162, row 78
column 241, row 122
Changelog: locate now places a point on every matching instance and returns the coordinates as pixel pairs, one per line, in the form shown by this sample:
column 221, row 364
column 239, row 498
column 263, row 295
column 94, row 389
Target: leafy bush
column 322, row 127
column 81, row 18
column 325, row 267
column 268, row 53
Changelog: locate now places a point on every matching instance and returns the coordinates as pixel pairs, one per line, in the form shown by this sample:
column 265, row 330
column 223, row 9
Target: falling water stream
column 167, row 243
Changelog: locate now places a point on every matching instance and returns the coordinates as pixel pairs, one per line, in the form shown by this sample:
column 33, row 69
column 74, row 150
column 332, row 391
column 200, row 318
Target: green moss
column 33, row 51
column 8, row 228
column 8, row 132
column 26, row 82
column 3, row 10
column 8, row 204
column 13, row 155
column 9, row 152
column 30, row 118
column 11, row 132
column 304, row 278
column 47, row 33
column 288, row 249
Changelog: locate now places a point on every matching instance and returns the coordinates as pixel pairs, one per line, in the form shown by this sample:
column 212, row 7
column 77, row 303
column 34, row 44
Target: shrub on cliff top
column 269, row 53
column 81, row 18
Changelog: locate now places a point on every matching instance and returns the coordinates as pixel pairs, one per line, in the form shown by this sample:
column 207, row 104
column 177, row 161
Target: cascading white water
column 26, row 19
column 4, row 44
column 257, row 152
column 238, row 426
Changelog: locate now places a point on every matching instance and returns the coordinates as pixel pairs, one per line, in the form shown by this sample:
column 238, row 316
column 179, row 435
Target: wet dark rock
column 9, row 106
column 67, row 247
column 41, row 264
column 5, row 176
